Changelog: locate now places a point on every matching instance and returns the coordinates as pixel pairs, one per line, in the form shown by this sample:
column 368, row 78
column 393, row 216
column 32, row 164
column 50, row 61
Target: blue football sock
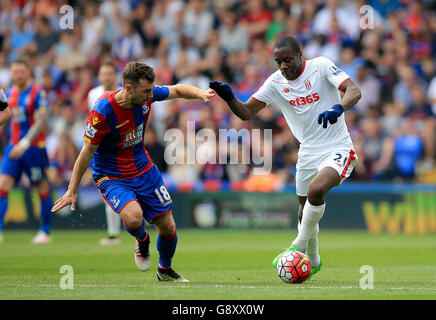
column 3, row 207
column 166, row 245
column 45, row 216
column 139, row 233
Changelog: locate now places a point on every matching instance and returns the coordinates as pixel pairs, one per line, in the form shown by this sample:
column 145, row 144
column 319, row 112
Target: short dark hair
column 135, row 71
column 21, row 61
column 288, row 42
column 109, row 64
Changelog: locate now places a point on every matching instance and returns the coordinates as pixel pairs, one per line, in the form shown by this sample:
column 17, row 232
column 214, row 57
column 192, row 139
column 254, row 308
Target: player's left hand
column 331, row 115
column 16, row 152
column 69, row 198
column 206, row 95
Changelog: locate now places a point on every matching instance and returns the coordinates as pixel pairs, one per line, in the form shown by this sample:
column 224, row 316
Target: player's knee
column 134, row 220
column 166, row 225
column 316, row 193
column 6, row 183
column 42, row 187
column 168, row 228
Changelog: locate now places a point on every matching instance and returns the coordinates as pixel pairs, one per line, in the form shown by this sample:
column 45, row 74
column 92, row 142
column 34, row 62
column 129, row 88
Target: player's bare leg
column 6, row 184
column 134, row 223
column 113, row 221
column 166, row 245
column 43, row 235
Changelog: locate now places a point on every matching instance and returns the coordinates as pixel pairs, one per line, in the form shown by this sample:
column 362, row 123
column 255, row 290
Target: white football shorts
column 343, row 159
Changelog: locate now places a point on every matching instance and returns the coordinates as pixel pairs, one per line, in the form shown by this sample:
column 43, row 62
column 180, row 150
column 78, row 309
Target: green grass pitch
column 221, row 264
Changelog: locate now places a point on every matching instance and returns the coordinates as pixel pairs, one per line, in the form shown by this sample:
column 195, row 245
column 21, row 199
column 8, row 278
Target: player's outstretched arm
column 244, row 111
column 80, row 166
column 186, row 91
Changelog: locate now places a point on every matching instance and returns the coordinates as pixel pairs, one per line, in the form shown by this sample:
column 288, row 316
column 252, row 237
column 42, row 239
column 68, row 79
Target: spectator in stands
column 233, row 38
column 348, row 21
column 256, row 20
column 348, row 62
column 408, row 150
column 402, row 90
column 197, row 22
column 92, row 27
column 44, row 41
column 20, row 43
column 422, row 118
column 369, row 86
column 228, row 40
column 129, row 45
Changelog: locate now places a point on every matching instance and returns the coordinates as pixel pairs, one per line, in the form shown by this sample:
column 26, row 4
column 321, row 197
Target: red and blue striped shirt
column 119, row 132
column 23, row 106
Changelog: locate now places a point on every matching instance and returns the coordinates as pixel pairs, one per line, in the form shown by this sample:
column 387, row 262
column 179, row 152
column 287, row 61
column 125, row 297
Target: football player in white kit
column 107, row 76
column 307, row 92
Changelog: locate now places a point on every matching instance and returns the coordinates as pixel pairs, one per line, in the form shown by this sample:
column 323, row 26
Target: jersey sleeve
column 266, row 92
column 41, row 101
column 160, row 93
column 332, row 72
column 96, row 128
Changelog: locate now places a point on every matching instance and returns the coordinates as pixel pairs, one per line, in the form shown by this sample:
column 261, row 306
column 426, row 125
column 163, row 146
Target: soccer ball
column 293, row 267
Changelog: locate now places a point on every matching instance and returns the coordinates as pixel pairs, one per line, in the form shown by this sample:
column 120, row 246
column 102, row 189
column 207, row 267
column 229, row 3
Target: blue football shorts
column 33, row 162
column 148, row 189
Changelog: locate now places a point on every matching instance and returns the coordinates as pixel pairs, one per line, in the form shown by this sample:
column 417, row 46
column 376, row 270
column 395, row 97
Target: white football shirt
column 303, row 99
column 93, row 95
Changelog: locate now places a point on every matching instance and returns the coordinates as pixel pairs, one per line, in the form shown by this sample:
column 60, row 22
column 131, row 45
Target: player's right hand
column 222, row 89
column 68, row 198
column 206, row 95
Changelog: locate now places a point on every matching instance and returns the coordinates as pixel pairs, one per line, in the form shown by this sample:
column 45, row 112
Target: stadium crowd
column 391, row 57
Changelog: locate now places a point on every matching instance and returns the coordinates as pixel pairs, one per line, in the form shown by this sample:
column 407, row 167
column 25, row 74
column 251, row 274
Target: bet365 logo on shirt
column 301, row 101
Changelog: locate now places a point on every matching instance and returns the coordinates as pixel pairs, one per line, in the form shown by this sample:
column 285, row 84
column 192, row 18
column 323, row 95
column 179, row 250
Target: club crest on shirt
column 145, row 109
column 308, row 84
column 286, row 90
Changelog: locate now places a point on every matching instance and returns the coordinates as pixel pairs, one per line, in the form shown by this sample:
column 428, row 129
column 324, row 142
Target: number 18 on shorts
column 148, row 189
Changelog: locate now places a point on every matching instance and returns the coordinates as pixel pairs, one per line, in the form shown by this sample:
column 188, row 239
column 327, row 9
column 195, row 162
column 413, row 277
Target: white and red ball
column 294, row 267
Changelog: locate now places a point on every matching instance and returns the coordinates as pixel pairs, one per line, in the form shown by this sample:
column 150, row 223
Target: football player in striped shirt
column 123, row 171
column 26, row 152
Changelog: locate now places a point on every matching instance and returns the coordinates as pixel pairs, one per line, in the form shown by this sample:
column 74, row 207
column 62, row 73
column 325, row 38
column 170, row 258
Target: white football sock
column 113, row 221
column 312, row 246
column 311, row 216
